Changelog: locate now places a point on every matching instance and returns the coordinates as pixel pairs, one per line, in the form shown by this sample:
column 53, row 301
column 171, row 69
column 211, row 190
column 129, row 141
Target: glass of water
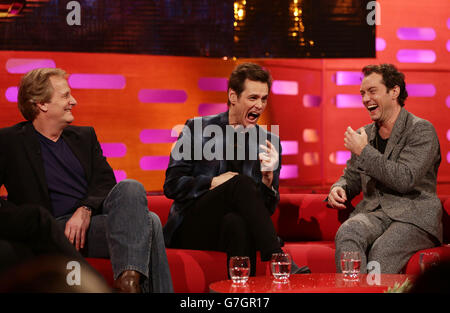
column 280, row 266
column 239, row 269
column 350, row 264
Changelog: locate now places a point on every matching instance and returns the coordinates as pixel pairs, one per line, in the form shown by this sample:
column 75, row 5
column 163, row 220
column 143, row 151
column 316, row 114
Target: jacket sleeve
column 102, row 179
column 414, row 161
column 350, row 180
column 180, row 184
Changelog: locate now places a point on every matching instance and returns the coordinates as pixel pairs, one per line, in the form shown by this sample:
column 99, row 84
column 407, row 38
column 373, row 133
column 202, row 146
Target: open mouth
column 372, row 108
column 252, row 116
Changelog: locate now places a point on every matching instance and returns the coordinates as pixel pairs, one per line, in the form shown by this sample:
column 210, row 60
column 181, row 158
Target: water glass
column 280, row 266
column 350, row 264
column 239, row 269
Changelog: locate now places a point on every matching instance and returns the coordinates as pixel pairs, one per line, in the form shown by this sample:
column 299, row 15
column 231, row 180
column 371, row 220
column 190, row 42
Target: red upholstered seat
column 304, row 221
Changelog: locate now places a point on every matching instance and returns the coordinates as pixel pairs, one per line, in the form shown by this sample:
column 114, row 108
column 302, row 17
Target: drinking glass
column 350, row 264
column 239, row 269
column 280, row 266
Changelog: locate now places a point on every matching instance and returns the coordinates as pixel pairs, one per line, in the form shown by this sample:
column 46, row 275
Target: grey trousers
column 130, row 235
column 379, row 238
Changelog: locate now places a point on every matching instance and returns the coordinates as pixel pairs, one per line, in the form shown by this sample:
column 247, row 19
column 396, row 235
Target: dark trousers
column 29, row 231
column 231, row 218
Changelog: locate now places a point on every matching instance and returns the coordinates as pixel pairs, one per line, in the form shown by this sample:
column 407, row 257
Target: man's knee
column 353, row 229
column 130, row 186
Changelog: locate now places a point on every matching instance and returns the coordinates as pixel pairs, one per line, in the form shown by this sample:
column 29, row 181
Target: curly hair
column 391, row 78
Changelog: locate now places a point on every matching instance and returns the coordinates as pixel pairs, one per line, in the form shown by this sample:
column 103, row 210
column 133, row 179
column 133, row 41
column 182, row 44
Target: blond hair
column 35, row 87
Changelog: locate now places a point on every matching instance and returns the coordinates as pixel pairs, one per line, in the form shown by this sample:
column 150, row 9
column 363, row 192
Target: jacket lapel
column 397, row 131
column 33, row 150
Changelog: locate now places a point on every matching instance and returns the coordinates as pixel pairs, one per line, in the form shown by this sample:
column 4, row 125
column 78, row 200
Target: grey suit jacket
column 188, row 179
column 403, row 179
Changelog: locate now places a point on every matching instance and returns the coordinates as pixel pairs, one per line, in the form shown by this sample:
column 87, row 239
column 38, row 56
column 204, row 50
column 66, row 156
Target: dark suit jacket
column 403, row 179
column 187, row 180
column 22, row 167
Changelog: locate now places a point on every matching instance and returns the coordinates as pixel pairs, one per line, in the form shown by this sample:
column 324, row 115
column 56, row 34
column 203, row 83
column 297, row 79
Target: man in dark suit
column 394, row 162
column 46, row 162
column 224, row 190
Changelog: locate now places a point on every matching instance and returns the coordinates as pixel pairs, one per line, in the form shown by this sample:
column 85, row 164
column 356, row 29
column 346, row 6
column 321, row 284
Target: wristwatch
column 87, row 209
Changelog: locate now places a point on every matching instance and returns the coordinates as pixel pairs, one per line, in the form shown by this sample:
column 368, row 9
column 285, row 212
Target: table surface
column 313, row 283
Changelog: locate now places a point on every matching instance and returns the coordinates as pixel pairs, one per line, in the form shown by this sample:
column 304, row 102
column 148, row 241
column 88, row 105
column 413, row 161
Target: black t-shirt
column 66, row 179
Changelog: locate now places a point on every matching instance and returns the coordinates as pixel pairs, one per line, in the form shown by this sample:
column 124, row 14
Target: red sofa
column 304, row 221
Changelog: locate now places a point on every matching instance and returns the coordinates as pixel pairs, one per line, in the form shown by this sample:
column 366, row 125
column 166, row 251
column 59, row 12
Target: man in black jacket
column 225, row 186
column 45, row 161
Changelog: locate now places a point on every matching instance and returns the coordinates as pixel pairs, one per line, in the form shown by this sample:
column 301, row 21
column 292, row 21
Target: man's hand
column 269, row 159
column 77, row 226
column 219, row 180
column 337, row 198
column 355, row 142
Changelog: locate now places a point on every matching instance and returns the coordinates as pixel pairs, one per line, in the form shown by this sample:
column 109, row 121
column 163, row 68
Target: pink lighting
column 162, row 96
column 157, row 136
column 154, row 163
column 447, row 101
column 120, row 175
column 349, row 101
column 416, row 56
column 416, row 33
column 380, row 44
column 11, row 94
column 448, row 135
column 289, row 147
column 213, row 84
column 448, row 157
column 97, row 81
column 448, row 45
column 114, row 150
column 289, row 171
column 311, row 101
column 345, row 78
column 340, row 157
column 211, row 108
column 284, row 87
column 22, row 66
column 421, row 90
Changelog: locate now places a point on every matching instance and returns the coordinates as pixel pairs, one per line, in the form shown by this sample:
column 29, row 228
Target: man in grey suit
column 394, row 163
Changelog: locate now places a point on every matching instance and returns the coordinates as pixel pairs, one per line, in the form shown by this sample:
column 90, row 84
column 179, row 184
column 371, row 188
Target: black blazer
column 22, row 168
column 187, row 180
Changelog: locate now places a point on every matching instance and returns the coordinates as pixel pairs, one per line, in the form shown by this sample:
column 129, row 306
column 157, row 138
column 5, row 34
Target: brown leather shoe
column 128, row 282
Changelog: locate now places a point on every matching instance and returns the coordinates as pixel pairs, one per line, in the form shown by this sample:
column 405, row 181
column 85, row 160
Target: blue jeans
column 130, row 235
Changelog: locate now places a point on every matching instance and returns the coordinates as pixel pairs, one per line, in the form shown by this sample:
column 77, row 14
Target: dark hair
column 249, row 71
column 391, row 78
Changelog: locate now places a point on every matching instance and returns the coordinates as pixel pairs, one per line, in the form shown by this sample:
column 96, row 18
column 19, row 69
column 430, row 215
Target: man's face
column 60, row 106
column 246, row 109
column 380, row 103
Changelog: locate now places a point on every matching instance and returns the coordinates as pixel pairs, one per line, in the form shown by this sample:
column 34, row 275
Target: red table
column 312, row 283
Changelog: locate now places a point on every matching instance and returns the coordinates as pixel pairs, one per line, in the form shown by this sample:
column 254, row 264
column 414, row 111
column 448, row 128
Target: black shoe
column 302, row 270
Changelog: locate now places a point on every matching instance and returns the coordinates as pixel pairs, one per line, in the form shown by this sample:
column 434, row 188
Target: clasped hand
column 354, row 141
